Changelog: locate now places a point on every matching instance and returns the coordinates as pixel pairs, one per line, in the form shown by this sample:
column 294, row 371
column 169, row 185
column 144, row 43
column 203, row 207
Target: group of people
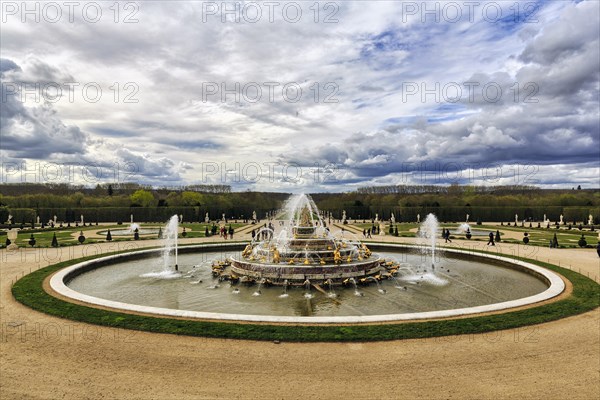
column 367, row 232
column 264, row 233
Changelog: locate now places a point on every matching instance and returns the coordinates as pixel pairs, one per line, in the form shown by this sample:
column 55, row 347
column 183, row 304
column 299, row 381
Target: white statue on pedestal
column 516, row 218
column 393, row 219
column 206, row 219
column 467, row 220
column 561, row 219
column 418, row 218
column 590, row 220
column 343, row 216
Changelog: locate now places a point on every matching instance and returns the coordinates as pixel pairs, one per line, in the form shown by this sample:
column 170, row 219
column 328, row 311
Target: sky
column 301, row 96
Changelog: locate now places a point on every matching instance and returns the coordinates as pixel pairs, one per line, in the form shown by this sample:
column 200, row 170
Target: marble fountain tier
column 305, row 250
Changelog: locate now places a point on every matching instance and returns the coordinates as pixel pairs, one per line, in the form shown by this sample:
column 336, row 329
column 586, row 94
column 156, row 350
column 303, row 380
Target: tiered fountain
column 304, row 250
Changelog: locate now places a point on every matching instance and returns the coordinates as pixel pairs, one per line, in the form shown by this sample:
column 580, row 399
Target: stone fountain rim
column 57, row 283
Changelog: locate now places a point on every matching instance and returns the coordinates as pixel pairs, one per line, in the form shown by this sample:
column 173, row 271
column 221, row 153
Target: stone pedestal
column 12, row 236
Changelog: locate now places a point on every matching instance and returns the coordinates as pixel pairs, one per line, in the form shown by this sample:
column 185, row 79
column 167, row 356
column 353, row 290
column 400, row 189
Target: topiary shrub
column 582, row 242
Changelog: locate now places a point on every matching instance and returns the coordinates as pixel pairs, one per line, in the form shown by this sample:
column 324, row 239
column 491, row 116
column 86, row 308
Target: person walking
column 491, row 241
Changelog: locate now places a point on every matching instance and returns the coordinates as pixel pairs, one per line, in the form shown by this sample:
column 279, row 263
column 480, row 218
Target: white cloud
column 371, row 130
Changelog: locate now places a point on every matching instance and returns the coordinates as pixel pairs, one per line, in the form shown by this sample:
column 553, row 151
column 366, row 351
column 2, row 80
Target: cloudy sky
column 301, row 96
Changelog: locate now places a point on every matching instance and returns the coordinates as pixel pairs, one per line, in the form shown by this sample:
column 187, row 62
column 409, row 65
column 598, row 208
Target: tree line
column 108, row 203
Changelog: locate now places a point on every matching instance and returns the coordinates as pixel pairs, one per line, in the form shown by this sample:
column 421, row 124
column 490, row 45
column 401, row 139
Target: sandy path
column 47, row 357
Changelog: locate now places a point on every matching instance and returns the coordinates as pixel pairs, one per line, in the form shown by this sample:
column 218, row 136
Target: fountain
column 429, row 229
column 130, row 230
column 303, row 251
column 315, row 272
column 463, row 228
column 170, row 237
column 170, row 254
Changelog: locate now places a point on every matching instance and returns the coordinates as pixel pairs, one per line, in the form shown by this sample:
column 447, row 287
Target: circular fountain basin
column 463, row 283
column 474, row 232
column 128, row 232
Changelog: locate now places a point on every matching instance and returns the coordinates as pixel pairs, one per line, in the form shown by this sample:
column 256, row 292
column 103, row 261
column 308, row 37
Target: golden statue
column 337, row 257
column 247, row 251
column 366, row 250
column 276, row 256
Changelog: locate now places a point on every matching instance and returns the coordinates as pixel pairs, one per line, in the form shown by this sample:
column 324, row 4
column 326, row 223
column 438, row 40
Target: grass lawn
column 68, row 236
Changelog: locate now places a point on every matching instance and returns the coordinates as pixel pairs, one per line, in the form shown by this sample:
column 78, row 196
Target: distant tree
column 174, row 199
column 192, row 198
column 142, row 198
column 578, row 187
column 110, row 190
